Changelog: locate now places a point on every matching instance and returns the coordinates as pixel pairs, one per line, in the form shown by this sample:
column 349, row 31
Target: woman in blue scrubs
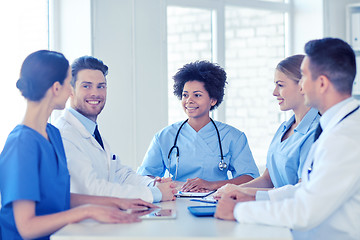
column 292, row 141
column 34, row 179
column 200, row 151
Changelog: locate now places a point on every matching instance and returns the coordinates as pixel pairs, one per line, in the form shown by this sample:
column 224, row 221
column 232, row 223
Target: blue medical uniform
column 285, row 159
column 33, row 168
column 199, row 153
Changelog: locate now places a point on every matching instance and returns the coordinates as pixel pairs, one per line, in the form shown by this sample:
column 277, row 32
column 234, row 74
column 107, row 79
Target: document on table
column 193, row 194
column 209, row 199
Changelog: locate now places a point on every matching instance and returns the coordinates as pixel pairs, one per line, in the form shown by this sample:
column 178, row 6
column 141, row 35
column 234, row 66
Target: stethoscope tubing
column 218, row 134
column 222, row 164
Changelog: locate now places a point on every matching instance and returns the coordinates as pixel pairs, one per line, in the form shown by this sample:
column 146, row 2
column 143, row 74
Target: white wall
column 335, row 17
column 70, row 30
column 131, row 43
column 308, row 23
column 71, row 25
column 317, row 19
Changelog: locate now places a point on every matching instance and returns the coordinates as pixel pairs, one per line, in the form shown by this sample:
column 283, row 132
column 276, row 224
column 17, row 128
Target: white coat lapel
column 342, row 113
column 310, row 164
column 69, row 117
column 81, row 128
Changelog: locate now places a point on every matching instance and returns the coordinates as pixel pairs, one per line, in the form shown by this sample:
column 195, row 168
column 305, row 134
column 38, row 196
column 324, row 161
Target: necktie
column 98, row 137
column 318, row 132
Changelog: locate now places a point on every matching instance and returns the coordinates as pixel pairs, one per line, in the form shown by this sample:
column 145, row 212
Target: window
column 24, row 27
column 189, row 39
column 254, row 41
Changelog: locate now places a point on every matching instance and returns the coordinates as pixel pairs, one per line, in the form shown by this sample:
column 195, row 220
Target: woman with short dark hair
column 200, row 151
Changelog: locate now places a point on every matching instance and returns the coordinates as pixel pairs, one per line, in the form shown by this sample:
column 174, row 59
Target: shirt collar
column 288, row 123
column 305, row 123
column 331, row 112
column 88, row 124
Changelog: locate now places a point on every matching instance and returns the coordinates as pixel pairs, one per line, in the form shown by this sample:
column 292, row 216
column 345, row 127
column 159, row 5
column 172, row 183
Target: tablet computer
column 155, row 213
column 202, row 211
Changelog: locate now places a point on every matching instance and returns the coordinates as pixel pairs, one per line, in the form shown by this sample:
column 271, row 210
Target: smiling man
column 93, row 168
column 326, row 203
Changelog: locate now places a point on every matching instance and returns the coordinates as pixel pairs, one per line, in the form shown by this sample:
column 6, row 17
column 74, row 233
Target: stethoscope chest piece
column 222, row 165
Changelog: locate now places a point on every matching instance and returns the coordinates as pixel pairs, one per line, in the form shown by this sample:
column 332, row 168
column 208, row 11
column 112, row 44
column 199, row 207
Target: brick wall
column 189, row 39
column 254, row 46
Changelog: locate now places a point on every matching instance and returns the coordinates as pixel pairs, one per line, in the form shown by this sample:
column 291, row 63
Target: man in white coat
column 93, row 168
column 326, row 203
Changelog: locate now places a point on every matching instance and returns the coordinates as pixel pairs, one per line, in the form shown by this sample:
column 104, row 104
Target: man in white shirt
column 93, row 168
column 326, row 204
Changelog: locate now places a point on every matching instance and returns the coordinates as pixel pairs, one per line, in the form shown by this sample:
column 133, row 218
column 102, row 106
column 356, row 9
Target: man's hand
column 226, row 205
column 167, row 190
column 161, row 180
column 225, row 208
column 224, row 190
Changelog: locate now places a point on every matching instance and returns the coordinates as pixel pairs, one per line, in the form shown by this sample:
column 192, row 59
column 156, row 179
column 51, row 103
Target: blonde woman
column 293, row 139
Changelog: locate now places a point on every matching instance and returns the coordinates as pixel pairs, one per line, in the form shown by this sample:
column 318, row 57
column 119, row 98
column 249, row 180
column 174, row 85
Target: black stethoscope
column 222, row 164
column 312, row 162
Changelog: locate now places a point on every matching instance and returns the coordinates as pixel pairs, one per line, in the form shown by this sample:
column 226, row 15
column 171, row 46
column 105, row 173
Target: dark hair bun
column 39, row 71
column 20, row 84
column 25, row 87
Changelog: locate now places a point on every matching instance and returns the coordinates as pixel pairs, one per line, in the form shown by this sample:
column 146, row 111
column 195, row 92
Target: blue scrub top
column 33, row 168
column 199, row 153
column 285, row 159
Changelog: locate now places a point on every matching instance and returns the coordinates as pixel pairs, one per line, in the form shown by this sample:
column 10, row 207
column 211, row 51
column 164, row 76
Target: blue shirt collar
column 88, row 124
column 331, row 112
column 305, row 124
column 288, row 123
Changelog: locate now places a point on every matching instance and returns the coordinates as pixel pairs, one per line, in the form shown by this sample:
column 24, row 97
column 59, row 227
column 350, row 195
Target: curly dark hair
column 211, row 74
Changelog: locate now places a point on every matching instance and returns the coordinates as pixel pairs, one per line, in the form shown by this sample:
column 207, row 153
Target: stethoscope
column 222, row 163
column 312, row 162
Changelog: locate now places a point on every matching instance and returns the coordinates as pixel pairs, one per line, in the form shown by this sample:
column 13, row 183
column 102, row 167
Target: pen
column 204, row 201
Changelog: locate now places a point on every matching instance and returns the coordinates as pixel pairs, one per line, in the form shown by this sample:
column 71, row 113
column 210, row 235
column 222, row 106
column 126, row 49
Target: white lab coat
column 93, row 170
column 326, row 204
